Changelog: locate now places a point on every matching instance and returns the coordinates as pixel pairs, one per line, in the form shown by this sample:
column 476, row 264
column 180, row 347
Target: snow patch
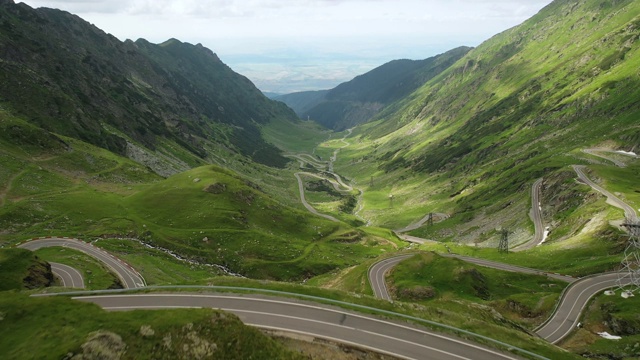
column 544, row 235
column 630, row 153
column 606, row 335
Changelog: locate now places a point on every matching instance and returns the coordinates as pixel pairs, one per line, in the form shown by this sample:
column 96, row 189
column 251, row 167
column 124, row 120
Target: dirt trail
column 7, row 189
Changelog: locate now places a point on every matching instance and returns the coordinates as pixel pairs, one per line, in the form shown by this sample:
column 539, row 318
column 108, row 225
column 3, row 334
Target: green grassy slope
column 428, row 277
column 361, row 98
column 54, row 185
column 614, row 315
column 55, row 327
column 95, row 274
column 473, row 140
column 178, row 102
column 21, row 269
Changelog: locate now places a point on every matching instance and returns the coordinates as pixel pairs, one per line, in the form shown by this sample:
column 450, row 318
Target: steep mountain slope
column 360, row 99
column 521, row 106
column 302, row 102
column 69, row 77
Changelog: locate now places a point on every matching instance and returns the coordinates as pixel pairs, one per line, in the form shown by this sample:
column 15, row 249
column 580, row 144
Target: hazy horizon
column 285, row 46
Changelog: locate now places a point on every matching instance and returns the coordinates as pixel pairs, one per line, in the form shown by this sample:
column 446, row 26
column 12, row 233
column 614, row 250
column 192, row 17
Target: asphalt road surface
column 414, row 239
column 536, row 216
column 419, row 223
column 598, row 153
column 384, row 336
column 378, row 271
column 561, row 322
column 629, row 212
column 129, row 277
column 306, row 204
column 575, row 298
column 377, row 274
column 321, row 165
column 512, row 268
column 70, row 277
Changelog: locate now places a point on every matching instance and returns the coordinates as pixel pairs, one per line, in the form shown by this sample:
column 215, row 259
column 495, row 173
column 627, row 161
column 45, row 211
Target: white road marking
column 443, row 337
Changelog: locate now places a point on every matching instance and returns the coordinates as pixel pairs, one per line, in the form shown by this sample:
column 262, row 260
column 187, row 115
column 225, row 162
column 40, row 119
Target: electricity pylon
column 629, row 275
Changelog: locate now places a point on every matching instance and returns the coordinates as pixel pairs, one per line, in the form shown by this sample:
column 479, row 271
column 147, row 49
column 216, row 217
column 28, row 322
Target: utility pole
column 430, row 220
column 391, row 200
column 371, row 182
column 629, row 275
column 503, row 246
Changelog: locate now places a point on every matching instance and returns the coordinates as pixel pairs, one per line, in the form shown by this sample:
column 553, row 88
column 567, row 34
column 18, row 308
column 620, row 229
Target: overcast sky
column 292, row 45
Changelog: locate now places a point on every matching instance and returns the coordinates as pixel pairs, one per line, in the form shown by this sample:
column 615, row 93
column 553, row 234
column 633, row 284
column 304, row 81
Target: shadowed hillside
column 360, row 99
column 69, row 77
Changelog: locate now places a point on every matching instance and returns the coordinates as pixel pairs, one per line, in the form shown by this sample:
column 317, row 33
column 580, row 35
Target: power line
column 629, row 275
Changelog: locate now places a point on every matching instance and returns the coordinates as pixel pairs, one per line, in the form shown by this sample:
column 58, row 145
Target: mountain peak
column 175, row 91
column 171, row 42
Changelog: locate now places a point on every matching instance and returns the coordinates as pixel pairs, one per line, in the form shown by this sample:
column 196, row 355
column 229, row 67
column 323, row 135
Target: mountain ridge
column 70, row 77
column 518, row 107
column 360, row 99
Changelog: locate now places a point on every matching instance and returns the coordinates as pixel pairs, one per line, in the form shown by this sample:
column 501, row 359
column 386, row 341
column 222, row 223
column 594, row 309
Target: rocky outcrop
column 39, row 275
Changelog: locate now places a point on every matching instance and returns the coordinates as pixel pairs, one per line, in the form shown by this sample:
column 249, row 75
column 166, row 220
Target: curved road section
column 129, row 277
column 562, row 321
column 384, row 336
column 320, row 165
column 512, row 268
column 378, row 272
column 629, row 212
column 575, row 298
column 306, row 204
column 536, row 216
column 618, row 163
column 70, row 277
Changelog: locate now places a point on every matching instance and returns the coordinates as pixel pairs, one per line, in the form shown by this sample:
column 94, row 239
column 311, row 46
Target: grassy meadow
column 54, row 327
column 614, row 315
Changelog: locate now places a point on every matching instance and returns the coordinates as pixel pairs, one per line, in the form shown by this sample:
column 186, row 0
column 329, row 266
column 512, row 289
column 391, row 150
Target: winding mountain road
column 574, row 298
column 385, row 336
column 69, row 276
column 559, row 325
column 419, row 223
column 129, row 277
column 629, row 212
column 389, row 337
column 618, row 163
column 306, row 204
column 334, row 157
column 320, row 165
column 377, row 274
column 394, row 338
column 512, row 268
column 572, row 303
column 536, row 216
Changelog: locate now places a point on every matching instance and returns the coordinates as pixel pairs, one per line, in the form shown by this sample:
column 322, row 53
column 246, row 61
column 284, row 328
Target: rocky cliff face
column 39, row 275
